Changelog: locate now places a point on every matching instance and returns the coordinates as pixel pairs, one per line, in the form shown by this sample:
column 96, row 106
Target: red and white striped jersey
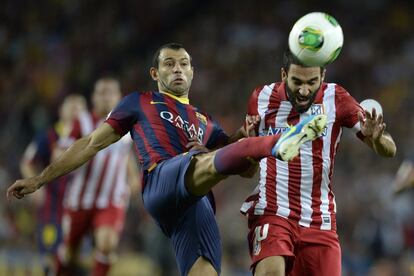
column 301, row 189
column 102, row 181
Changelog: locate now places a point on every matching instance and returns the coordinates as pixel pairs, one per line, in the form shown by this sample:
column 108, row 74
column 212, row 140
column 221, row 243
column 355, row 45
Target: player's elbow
column 86, row 147
column 92, row 146
column 389, row 152
column 392, row 152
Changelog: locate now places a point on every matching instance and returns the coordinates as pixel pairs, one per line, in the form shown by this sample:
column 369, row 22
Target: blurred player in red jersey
column 98, row 194
column 49, row 201
column 177, row 147
column 292, row 213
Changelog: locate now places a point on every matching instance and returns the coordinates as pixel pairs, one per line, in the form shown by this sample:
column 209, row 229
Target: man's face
column 175, row 73
column 302, row 84
column 72, row 107
column 106, row 96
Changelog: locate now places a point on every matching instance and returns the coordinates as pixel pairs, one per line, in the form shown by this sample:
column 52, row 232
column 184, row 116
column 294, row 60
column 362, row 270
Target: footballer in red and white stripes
column 309, row 175
column 98, row 193
column 103, row 181
column 295, row 198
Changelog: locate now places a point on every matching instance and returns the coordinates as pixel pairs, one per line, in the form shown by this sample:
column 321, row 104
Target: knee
column 270, row 272
column 201, row 175
column 106, row 241
column 202, row 266
column 106, row 247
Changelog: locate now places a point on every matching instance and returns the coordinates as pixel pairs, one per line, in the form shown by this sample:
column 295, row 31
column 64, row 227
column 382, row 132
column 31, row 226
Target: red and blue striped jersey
column 161, row 125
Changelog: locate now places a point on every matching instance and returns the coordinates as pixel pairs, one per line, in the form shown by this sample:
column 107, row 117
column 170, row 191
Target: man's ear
column 154, row 73
column 283, row 74
column 323, row 75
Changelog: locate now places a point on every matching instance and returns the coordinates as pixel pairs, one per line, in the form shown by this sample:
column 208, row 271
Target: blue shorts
column 186, row 219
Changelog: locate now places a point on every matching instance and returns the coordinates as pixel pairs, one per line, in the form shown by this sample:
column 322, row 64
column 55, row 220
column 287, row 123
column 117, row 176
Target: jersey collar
column 183, row 100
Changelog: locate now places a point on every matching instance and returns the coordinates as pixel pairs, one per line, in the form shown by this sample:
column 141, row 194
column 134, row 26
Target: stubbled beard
column 175, row 91
column 292, row 99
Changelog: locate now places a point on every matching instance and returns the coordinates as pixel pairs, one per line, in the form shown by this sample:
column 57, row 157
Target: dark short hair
column 289, row 58
column 172, row 45
column 108, row 78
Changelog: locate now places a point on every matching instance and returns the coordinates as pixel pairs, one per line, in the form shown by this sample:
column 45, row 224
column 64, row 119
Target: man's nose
column 304, row 90
column 177, row 68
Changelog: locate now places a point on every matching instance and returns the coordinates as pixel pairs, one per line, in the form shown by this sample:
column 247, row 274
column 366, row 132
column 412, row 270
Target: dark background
column 51, row 48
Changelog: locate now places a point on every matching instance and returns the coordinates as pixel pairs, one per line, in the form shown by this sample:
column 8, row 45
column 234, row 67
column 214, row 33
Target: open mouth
column 180, row 80
column 302, row 101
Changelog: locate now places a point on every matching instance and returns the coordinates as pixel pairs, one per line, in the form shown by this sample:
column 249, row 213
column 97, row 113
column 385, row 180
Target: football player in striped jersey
column 292, row 212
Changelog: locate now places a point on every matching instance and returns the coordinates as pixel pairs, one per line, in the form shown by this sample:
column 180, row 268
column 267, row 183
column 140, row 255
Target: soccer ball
column 316, row 39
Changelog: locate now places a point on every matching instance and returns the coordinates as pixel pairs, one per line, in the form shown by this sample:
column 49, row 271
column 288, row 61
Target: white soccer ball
column 316, row 39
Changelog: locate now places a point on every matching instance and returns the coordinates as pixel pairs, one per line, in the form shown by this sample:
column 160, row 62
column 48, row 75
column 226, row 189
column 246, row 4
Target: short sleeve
column 253, row 101
column 125, row 114
column 218, row 136
column 252, row 106
column 348, row 109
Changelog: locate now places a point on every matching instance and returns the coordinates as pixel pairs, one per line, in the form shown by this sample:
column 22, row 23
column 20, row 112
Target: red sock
column 232, row 159
column 60, row 268
column 101, row 265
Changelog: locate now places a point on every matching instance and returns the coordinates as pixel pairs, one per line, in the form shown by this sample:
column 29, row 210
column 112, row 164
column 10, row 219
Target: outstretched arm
column 76, row 155
column 373, row 129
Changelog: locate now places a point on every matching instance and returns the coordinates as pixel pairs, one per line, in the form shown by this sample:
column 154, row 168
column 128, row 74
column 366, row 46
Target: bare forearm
column 75, row 156
column 239, row 134
column 385, row 146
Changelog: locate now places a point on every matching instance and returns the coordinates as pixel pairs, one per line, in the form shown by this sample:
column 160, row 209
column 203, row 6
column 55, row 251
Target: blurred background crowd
column 51, row 48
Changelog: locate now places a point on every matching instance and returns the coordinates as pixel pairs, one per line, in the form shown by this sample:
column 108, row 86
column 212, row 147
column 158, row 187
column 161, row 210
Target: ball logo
column 311, row 39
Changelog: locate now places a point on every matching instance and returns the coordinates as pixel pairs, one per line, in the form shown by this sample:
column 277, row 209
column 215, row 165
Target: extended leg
column 206, row 170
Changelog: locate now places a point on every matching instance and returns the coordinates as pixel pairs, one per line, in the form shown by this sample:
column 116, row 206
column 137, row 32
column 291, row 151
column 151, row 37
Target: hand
column 250, row 125
column 372, row 125
column 194, row 144
column 22, row 187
